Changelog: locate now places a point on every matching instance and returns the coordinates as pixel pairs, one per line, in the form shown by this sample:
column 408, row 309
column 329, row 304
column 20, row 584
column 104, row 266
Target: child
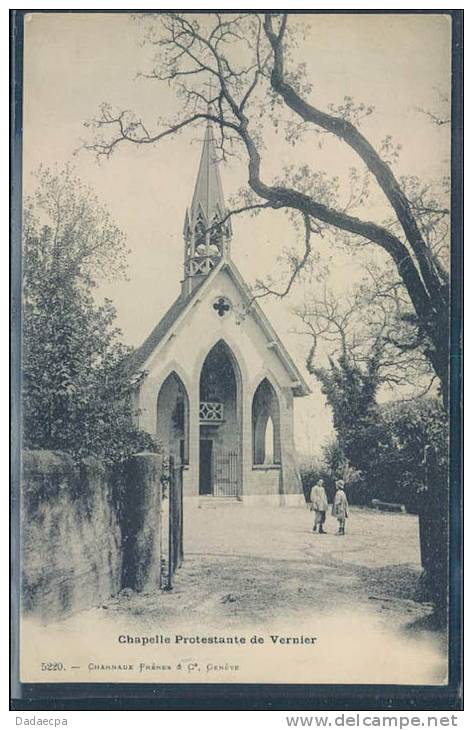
column 340, row 506
column 319, row 504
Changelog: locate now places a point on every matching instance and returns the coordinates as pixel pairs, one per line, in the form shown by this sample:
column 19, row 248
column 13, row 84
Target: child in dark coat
column 340, row 506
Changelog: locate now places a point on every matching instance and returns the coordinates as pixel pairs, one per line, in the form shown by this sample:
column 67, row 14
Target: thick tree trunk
column 439, row 356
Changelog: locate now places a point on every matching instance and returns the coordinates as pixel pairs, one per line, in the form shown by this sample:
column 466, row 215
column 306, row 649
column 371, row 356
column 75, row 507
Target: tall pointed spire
column 206, row 242
column 208, row 192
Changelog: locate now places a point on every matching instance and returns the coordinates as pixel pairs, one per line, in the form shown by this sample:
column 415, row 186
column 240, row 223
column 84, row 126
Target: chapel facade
column 213, row 380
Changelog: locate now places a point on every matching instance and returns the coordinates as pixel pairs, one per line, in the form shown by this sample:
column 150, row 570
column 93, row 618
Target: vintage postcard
column 239, row 332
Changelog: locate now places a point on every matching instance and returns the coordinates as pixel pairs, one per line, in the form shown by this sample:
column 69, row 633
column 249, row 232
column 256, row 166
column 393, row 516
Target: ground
column 253, row 565
column 263, row 572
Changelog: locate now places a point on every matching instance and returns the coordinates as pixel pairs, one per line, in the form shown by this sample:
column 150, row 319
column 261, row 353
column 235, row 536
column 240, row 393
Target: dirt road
column 265, row 563
column 263, row 572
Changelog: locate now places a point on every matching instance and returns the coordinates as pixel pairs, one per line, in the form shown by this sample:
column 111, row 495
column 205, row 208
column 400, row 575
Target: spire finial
column 210, row 86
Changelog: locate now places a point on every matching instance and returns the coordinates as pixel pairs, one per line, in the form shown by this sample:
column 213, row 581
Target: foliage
column 68, row 235
column 392, row 472
column 409, row 427
column 351, row 390
column 338, row 465
column 76, row 376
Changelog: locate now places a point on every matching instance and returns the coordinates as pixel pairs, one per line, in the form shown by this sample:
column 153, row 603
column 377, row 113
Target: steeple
column 205, row 242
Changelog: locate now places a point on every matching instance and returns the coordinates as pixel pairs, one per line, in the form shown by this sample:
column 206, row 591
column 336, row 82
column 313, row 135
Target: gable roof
column 181, row 305
column 142, row 353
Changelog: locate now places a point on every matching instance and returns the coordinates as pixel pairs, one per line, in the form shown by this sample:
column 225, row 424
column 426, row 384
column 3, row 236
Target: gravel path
column 254, row 565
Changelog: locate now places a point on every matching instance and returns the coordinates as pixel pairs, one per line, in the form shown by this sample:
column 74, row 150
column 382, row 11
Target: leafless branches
column 371, row 328
column 441, row 116
column 296, row 263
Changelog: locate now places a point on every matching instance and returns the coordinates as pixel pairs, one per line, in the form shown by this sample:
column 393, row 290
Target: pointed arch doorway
column 172, row 418
column 220, row 424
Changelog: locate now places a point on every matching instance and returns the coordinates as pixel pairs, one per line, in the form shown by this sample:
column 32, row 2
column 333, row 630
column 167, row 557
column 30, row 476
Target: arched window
column 269, row 442
column 172, row 418
column 266, row 425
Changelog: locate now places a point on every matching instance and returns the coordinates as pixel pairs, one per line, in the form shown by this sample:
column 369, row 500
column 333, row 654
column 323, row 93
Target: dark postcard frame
column 306, row 697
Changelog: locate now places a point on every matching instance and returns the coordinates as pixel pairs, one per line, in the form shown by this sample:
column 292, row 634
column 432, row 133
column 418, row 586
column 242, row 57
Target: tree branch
column 346, row 131
column 298, row 265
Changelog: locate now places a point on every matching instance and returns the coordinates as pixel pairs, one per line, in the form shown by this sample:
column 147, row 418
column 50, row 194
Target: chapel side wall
column 264, row 481
column 290, row 469
column 247, row 443
column 191, row 475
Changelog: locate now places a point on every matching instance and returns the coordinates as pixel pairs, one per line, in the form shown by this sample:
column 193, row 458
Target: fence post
column 175, row 527
column 141, row 523
column 171, row 523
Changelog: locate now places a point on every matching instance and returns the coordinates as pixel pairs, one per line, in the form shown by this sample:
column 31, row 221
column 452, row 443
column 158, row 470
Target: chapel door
column 205, row 467
column 225, row 473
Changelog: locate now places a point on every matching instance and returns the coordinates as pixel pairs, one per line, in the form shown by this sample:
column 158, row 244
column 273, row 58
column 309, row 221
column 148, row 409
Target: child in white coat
column 319, row 505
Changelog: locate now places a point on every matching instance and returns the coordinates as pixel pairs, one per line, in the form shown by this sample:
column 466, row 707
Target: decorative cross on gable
column 221, row 306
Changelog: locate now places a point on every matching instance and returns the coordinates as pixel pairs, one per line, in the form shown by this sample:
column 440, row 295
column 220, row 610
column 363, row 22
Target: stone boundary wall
column 85, row 532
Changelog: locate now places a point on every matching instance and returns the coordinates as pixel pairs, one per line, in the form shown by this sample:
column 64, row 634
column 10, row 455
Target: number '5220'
column 52, row 666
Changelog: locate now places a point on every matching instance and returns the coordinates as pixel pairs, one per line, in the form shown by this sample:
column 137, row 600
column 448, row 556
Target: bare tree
column 372, row 331
column 239, row 69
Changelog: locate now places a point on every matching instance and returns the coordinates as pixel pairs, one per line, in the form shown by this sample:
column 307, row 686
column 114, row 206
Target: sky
column 75, row 61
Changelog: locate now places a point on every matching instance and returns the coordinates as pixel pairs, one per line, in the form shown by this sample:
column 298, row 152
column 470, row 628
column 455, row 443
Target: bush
column 332, row 466
column 409, row 427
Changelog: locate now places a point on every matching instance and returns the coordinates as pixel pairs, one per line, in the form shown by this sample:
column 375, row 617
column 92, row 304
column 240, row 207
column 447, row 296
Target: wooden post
column 181, row 536
column 172, row 486
column 175, row 526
